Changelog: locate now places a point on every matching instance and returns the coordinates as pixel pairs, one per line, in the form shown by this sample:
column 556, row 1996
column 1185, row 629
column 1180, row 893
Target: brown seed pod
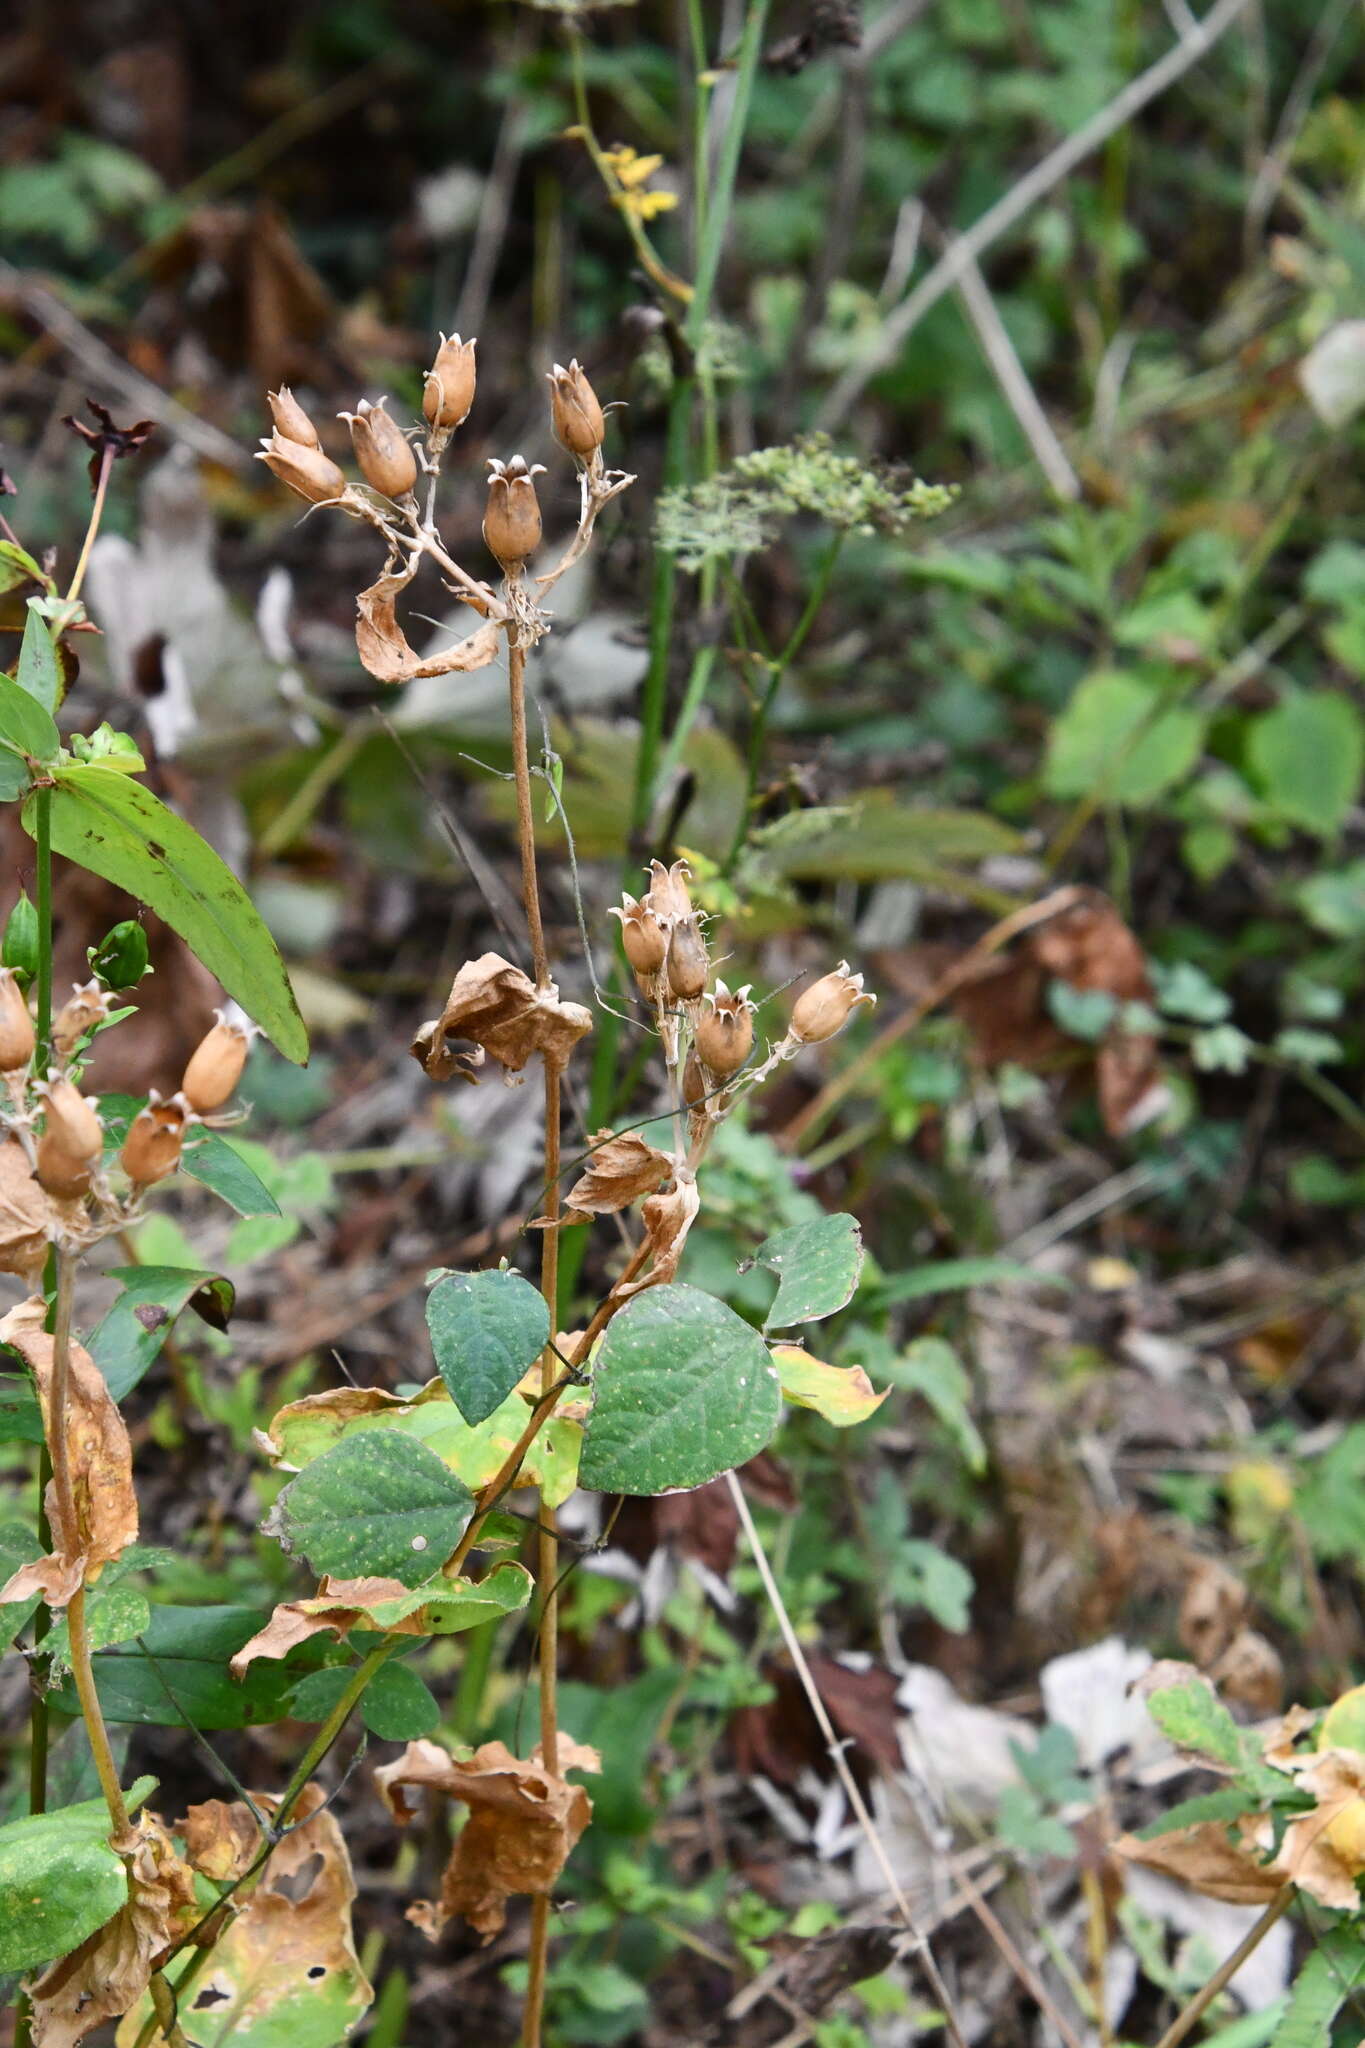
column 155, row 1137
column 575, row 414
column 667, row 893
column 215, row 1067
column 17, row 1037
column 694, row 1089
column 725, row 1031
column 291, row 420
column 386, row 459
column 643, row 939
column 86, row 1007
column 448, row 392
column 826, row 1006
column 71, row 1141
column 306, row 470
column 511, row 523
column 688, row 962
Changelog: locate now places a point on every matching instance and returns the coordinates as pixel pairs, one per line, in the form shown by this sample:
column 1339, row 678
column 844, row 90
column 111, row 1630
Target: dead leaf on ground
column 25, row 1216
column 1207, row 1858
column 101, row 1468
column 621, row 1169
column 1211, row 1612
column 335, row 1609
column 1249, row 1673
column 781, row 1739
column 383, row 646
column 523, row 1823
column 500, row 1011
column 104, row 1976
column 287, row 1959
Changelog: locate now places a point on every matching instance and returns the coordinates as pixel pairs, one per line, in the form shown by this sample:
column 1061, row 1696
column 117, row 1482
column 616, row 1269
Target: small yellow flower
column 632, row 172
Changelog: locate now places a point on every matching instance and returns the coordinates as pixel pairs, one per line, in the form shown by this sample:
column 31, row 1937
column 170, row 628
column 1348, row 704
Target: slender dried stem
column 1227, row 1969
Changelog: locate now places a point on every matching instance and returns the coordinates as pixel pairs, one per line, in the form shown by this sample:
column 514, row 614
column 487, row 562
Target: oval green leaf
column 487, row 1329
column 842, row 1394
column 683, row 1390
column 375, row 1505
column 112, row 825
column 128, row 1339
column 817, row 1266
column 59, row 1880
column 25, row 724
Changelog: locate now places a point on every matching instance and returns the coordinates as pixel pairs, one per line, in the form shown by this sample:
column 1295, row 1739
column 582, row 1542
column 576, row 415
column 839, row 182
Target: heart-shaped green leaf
column 817, row 1266
column 487, row 1329
column 376, row 1505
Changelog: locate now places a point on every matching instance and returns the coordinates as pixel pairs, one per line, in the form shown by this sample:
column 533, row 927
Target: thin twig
column 1227, row 1970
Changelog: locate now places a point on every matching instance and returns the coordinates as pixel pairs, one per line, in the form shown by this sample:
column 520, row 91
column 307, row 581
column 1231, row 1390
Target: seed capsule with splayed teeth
column 71, row 1141
column 84, row 1009
column 290, row 418
column 155, row 1137
column 17, row 1037
column 826, row 1006
column 725, row 1030
column 511, row 523
column 688, row 962
column 306, row 470
column 575, row 414
column 386, row 460
column 643, row 939
column 215, row 1066
column 448, row 392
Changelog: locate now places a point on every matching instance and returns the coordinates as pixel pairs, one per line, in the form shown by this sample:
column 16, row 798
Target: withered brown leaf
column 523, row 1823
column 1208, row 1860
column 384, row 649
column 500, row 1011
column 101, row 1462
column 26, row 1216
column 668, row 1217
column 620, row 1170
column 338, row 1606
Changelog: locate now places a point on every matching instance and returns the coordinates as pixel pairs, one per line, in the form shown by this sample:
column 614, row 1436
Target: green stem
column 42, row 833
column 716, row 226
column 466, row 1713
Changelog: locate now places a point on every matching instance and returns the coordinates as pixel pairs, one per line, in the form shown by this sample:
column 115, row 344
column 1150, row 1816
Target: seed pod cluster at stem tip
column 386, row 459
column 511, row 521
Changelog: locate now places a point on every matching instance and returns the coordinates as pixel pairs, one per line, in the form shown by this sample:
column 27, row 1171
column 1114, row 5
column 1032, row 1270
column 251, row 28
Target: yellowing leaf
column 842, row 1394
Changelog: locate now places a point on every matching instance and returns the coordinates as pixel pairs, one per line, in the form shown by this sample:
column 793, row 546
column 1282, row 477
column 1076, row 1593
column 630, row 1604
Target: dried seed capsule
column 290, row 418
column 215, row 1067
column 83, row 1010
column 71, row 1141
column 826, row 1006
column 19, row 948
column 386, row 459
column 152, row 1147
column 306, row 470
column 16, row 1026
column 667, row 893
column 725, row 1031
column 449, row 388
column 120, row 959
column 575, row 413
column 511, row 523
column 643, row 939
column 688, row 962
column 694, row 1090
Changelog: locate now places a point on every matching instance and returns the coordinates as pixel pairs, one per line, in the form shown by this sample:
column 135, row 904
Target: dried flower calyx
column 87, row 1007
column 511, row 523
column 72, row 1140
column 448, row 393
column 501, row 1012
column 575, row 413
column 724, row 1036
column 686, row 962
column 826, row 1006
column 386, row 459
column 621, row 1168
column 303, row 466
column 215, row 1065
column 291, row 420
column 643, row 939
column 16, row 1025
column 155, row 1139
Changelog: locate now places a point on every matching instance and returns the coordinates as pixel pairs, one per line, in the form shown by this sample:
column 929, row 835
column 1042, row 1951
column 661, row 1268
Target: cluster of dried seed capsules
column 69, row 1142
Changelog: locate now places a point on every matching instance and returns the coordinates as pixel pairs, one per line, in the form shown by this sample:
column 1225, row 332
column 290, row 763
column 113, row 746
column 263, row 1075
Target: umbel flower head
column 385, row 458
column 511, row 522
column 575, row 414
column 449, row 388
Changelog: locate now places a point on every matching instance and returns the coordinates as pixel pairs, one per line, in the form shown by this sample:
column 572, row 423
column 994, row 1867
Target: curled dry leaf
column 1209, row 1859
column 523, row 1822
column 26, row 1216
column 101, row 1468
column 286, row 1965
column 620, row 1170
column 668, row 1218
column 1323, row 1852
column 220, row 1839
column 384, row 649
column 502, row 1012
column 104, row 1976
column 335, row 1609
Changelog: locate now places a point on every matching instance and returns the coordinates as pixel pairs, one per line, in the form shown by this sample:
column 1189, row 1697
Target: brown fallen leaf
column 502, row 1012
column 1209, row 1860
column 286, row 1960
column 1250, row 1673
column 101, row 1468
column 620, row 1170
column 384, row 649
column 335, row 1609
column 1323, row 1852
column 524, row 1821
column 26, row 1216
column 102, row 1978
column 1211, row 1612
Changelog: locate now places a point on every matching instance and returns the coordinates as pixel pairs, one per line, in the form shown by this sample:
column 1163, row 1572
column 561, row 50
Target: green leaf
column 14, row 774
column 373, row 1506
column 59, row 1880
column 218, row 1165
column 1084, row 1013
column 683, row 1390
column 1335, row 902
column 115, row 827
column 1333, row 1968
column 189, row 1651
column 18, row 566
column 21, row 1418
column 1228, row 1804
column 951, row 1276
column 487, row 1329
column 26, row 725
column 1307, row 756
column 126, row 1342
column 842, row 1394
column 817, row 1265
column 1222, row 1049
column 38, row 672
column 931, row 1369
column 927, row 1577
column 1119, row 742
column 114, row 1614
column 451, row 1605
column 1343, row 1725
column 19, row 1545
column 1194, row 1718
column 395, row 1705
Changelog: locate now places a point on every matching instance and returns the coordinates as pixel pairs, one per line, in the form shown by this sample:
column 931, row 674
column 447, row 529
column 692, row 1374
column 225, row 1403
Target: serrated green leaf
column 1194, row 1718
column 487, row 1329
column 1228, row 1805
column 683, row 1390
column 105, row 821
column 59, row 1880
column 1307, row 756
column 1332, row 1971
column 38, row 672
column 375, row 1505
column 817, row 1265
column 128, row 1339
